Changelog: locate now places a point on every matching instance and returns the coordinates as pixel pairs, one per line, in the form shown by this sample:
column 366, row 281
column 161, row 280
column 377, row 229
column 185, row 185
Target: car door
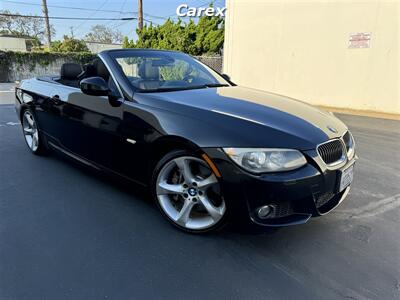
column 46, row 113
column 91, row 126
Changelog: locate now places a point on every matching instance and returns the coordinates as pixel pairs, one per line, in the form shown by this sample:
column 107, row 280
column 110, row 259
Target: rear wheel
column 31, row 133
column 188, row 193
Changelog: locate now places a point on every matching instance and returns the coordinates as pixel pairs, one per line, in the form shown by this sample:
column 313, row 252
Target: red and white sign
column 359, row 40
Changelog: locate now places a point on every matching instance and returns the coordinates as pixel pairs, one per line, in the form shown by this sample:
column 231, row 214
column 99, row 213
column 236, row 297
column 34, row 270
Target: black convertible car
column 209, row 150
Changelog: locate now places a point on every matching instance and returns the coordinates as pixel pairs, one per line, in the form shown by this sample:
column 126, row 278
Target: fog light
column 264, row 211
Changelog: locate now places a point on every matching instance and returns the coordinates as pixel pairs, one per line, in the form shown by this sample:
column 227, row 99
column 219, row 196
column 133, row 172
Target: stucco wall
column 98, row 47
column 300, row 49
column 19, row 72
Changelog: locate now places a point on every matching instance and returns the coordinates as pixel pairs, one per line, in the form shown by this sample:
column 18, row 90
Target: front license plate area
column 346, row 177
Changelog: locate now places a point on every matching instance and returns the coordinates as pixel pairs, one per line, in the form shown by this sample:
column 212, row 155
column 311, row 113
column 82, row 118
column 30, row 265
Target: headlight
column 24, row 97
column 19, row 94
column 350, row 145
column 266, row 160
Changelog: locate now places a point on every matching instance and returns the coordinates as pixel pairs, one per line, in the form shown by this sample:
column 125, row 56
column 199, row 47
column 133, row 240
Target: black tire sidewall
column 168, row 157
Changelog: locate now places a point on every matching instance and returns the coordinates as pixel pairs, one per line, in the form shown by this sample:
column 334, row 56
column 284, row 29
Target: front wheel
column 31, row 133
column 188, row 193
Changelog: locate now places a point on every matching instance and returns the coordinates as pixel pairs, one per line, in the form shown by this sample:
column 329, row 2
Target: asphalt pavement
column 7, row 93
column 67, row 233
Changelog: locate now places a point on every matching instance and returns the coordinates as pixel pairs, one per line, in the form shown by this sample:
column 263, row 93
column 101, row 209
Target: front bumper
column 295, row 196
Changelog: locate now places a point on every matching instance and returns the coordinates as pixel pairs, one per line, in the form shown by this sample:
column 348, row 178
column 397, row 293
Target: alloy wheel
column 189, row 194
column 31, row 132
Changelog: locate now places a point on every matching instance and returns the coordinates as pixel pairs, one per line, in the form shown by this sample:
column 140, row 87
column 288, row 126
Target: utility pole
column 140, row 15
column 47, row 23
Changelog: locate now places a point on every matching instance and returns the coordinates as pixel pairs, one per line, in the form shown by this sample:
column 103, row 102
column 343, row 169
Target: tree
column 23, row 26
column 104, row 34
column 69, row 44
column 125, row 42
column 205, row 37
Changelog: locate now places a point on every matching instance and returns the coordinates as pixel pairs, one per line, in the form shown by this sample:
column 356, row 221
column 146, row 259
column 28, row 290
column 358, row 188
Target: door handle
column 56, row 99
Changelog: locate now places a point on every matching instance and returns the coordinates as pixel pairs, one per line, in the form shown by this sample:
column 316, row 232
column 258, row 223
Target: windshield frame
column 126, row 53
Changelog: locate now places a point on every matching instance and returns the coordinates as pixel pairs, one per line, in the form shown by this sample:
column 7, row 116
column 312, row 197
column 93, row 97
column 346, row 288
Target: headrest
column 148, row 71
column 101, row 69
column 70, row 71
column 88, row 71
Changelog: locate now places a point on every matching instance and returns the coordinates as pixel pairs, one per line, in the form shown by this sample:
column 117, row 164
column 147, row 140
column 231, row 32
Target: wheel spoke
column 179, row 177
column 164, row 188
column 215, row 212
column 29, row 140
column 184, row 167
column 29, row 119
column 34, row 141
column 205, row 183
column 28, row 131
column 183, row 216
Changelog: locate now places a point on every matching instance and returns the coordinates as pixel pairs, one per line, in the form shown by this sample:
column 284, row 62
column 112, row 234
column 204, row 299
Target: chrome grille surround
column 348, row 140
column 333, row 153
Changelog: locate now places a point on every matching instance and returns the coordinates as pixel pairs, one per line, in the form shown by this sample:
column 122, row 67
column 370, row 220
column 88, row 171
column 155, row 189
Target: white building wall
column 98, row 47
column 12, row 44
column 300, row 49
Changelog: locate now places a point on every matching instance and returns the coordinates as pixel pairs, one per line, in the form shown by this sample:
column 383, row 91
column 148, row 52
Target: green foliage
column 175, row 72
column 125, row 42
column 205, row 37
column 69, row 45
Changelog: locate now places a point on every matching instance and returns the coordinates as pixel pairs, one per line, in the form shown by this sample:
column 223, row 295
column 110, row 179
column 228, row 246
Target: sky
column 156, row 11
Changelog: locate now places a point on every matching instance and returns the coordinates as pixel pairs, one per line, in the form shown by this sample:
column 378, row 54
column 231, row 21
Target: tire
column 33, row 138
column 188, row 193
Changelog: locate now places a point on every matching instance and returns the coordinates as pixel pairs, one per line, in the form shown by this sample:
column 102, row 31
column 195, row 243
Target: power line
column 86, row 9
column 65, row 7
column 115, row 23
column 91, row 15
column 69, row 18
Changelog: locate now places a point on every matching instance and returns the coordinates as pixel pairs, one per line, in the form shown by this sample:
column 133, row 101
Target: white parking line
column 10, row 124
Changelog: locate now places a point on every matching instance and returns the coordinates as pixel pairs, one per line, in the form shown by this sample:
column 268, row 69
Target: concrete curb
column 364, row 113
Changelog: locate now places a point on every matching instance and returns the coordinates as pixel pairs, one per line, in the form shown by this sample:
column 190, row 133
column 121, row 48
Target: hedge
column 31, row 59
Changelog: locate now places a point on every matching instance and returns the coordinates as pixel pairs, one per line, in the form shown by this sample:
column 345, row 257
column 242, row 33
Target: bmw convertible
column 211, row 152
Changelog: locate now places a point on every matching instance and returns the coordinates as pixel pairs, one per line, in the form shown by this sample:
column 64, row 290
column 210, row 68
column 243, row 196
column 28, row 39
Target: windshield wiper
column 210, row 85
column 184, row 88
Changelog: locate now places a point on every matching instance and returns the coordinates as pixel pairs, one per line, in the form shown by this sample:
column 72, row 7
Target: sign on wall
column 359, row 40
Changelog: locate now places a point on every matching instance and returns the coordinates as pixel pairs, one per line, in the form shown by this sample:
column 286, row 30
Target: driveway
column 66, row 233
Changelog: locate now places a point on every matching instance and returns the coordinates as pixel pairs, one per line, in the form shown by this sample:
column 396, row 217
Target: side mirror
column 226, row 77
column 94, row 86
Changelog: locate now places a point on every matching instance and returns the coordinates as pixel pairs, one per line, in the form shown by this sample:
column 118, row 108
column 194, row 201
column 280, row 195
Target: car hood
column 257, row 109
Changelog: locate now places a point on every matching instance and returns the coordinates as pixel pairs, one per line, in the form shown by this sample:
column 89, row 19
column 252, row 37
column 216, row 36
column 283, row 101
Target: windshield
column 155, row 71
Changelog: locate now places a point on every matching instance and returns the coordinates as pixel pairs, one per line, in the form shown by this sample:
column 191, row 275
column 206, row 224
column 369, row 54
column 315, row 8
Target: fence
column 214, row 62
column 15, row 66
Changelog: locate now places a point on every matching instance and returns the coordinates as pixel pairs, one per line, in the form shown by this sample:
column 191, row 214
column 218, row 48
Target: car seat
column 69, row 74
column 150, row 76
